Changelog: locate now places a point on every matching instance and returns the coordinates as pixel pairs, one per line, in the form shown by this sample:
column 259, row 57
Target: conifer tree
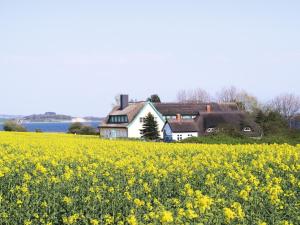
column 150, row 128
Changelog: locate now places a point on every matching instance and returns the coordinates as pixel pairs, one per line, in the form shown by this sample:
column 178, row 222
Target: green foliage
column 150, row 128
column 230, row 130
column 154, row 98
column 13, row 126
column 271, row 122
column 79, row 128
column 291, row 137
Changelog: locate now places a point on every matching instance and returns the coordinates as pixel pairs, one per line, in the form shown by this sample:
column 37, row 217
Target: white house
column 176, row 130
column 126, row 120
column 176, row 121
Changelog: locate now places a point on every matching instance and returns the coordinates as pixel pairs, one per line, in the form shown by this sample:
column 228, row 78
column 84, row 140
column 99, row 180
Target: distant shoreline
column 67, row 121
column 50, row 127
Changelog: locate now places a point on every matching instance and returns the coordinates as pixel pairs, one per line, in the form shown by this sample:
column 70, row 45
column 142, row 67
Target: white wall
column 113, row 132
column 135, row 126
column 184, row 135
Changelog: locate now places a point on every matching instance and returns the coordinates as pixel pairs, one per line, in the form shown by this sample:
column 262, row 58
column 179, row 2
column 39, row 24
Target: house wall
column 113, row 132
column 184, row 135
column 167, row 132
column 295, row 124
column 136, row 125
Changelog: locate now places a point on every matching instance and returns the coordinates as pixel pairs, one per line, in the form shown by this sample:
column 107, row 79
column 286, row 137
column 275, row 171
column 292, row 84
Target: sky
column 73, row 57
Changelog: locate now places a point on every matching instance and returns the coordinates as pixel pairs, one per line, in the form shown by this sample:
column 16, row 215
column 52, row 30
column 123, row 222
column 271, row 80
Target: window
column 142, row 119
column 210, row 130
column 179, row 137
column 190, row 135
column 118, row 119
column 247, row 129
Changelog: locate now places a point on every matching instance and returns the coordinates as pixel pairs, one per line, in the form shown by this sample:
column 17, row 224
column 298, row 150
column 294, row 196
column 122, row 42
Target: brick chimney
column 208, row 108
column 178, row 117
column 123, row 101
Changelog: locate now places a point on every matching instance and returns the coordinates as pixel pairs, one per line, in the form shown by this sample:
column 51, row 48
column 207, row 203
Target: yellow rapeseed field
column 66, row 179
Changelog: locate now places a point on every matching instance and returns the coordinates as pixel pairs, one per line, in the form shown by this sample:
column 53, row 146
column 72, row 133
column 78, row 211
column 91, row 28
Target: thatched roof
column 193, row 108
column 183, row 126
column 130, row 111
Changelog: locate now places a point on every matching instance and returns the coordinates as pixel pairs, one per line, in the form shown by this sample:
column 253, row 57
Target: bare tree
column 116, row 101
column 244, row 100
column 287, row 105
column 182, row 96
column 197, row 95
column 227, row 94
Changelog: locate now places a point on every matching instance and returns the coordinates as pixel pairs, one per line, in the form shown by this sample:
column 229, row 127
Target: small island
column 49, row 117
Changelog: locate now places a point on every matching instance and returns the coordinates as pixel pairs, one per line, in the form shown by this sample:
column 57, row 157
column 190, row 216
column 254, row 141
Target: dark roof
column 130, row 111
column 215, row 119
column 192, row 108
column 183, row 126
column 210, row 120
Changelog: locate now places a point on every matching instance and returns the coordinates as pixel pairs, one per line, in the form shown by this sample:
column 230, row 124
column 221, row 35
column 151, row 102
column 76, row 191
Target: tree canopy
column 150, row 128
column 13, row 126
column 79, row 128
column 154, row 98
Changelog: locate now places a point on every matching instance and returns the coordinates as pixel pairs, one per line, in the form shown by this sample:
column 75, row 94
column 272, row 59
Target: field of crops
column 65, row 179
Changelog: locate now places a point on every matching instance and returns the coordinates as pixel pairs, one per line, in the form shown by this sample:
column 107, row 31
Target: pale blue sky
column 72, row 57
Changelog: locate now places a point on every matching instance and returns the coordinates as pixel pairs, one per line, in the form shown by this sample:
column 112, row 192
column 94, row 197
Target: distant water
column 52, row 127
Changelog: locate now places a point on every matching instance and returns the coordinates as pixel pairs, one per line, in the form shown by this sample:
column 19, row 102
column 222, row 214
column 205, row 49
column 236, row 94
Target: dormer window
column 118, row 119
column 211, row 130
column 247, row 129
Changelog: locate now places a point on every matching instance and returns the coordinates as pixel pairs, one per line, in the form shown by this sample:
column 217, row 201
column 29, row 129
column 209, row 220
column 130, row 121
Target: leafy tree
column 75, row 128
column 154, row 98
column 88, row 130
column 13, row 126
column 150, row 128
column 271, row 122
column 79, row 128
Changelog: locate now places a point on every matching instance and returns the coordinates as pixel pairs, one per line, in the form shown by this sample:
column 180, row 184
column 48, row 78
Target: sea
column 60, row 127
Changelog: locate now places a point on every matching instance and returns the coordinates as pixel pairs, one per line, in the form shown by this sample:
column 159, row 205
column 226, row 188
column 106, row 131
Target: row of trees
column 287, row 105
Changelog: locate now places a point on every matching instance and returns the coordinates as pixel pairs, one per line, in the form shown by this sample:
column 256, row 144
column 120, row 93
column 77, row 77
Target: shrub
column 79, row 128
column 13, row 126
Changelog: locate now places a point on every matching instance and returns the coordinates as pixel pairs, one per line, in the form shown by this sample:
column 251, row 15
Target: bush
column 230, row 130
column 291, row 137
column 79, row 128
column 13, row 126
column 88, row 130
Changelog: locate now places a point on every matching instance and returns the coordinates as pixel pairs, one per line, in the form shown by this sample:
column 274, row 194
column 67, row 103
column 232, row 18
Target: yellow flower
column 138, row 202
column 19, row 202
column 191, row 214
column 27, row 222
column 132, row 220
column 229, row 214
column 166, row 217
column 68, row 200
column 94, row 222
column 262, row 223
column 238, row 210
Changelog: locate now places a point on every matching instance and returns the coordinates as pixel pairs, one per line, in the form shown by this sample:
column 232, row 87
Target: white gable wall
column 136, row 125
